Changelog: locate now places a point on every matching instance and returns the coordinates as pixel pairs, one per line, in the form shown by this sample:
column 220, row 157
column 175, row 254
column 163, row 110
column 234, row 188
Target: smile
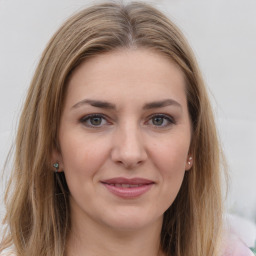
column 128, row 188
column 126, row 185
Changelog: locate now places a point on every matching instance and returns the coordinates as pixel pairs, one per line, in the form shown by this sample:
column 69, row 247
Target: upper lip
column 133, row 181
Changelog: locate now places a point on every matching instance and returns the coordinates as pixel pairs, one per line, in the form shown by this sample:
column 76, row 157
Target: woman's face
column 124, row 137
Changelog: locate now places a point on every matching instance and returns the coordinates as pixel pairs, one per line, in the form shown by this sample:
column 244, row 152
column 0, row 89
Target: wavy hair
column 37, row 202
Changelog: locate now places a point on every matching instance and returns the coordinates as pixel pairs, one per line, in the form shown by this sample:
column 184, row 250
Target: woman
column 116, row 151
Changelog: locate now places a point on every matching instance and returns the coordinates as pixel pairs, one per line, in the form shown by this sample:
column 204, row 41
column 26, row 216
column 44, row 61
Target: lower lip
column 128, row 192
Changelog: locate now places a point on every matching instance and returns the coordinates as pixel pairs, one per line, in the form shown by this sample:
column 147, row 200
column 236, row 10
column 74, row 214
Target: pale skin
column 125, row 115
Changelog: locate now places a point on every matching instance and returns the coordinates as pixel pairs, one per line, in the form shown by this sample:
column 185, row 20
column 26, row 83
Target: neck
column 91, row 238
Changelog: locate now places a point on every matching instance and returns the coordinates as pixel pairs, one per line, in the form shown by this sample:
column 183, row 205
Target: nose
column 128, row 147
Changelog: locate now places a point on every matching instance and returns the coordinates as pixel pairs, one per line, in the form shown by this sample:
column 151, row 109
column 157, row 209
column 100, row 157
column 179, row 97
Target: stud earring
column 56, row 166
column 189, row 160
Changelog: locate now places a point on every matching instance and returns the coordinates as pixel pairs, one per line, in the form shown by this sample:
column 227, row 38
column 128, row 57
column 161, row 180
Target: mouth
column 128, row 188
column 125, row 185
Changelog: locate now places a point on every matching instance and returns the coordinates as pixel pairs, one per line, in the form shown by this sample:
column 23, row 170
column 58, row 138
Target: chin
column 131, row 220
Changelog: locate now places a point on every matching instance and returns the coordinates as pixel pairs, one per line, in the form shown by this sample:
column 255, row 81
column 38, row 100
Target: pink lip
column 138, row 187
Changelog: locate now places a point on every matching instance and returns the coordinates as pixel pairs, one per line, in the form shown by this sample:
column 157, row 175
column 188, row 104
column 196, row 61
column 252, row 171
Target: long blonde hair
column 37, row 218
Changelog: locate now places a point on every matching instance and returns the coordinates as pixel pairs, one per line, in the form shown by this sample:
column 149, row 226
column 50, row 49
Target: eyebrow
column 107, row 105
column 95, row 103
column 161, row 104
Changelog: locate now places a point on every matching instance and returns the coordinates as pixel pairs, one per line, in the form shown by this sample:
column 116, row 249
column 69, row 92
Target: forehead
column 127, row 73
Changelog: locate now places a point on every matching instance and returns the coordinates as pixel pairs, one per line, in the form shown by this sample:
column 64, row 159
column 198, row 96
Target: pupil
column 157, row 120
column 96, row 120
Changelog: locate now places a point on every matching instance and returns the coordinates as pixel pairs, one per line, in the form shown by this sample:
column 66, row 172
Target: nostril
column 129, row 164
column 128, row 150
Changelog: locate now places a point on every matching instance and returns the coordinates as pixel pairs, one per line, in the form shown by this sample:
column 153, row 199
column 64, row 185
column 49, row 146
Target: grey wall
column 223, row 36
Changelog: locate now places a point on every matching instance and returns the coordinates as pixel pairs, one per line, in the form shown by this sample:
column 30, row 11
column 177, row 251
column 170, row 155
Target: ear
column 57, row 161
column 189, row 163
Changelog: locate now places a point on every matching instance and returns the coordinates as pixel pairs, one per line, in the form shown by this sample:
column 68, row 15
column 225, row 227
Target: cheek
column 172, row 168
column 82, row 164
column 82, row 157
column 170, row 160
column 170, row 156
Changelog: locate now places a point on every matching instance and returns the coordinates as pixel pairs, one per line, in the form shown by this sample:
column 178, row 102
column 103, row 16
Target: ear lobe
column 56, row 161
column 189, row 163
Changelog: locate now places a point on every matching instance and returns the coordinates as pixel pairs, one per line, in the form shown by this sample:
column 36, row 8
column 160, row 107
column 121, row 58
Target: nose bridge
column 128, row 146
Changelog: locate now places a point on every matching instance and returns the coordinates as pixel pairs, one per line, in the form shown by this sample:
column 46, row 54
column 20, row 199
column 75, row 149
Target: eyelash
column 88, row 117
column 170, row 120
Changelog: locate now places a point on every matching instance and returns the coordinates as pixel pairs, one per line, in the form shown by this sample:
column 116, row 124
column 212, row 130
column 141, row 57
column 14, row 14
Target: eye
column 161, row 120
column 94, row 120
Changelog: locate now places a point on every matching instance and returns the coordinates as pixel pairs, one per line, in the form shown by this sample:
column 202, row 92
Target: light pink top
column 235, row 247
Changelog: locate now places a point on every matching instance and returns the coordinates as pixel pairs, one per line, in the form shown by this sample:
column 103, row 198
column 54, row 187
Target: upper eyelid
column 160, row 114
column 167, row 116
column 85, row 117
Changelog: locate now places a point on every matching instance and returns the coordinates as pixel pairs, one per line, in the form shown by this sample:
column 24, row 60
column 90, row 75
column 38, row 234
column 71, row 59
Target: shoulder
column 233, row 246
column 239, row 235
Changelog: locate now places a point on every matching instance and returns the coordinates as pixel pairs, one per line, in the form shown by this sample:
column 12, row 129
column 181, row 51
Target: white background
column 223, row 36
